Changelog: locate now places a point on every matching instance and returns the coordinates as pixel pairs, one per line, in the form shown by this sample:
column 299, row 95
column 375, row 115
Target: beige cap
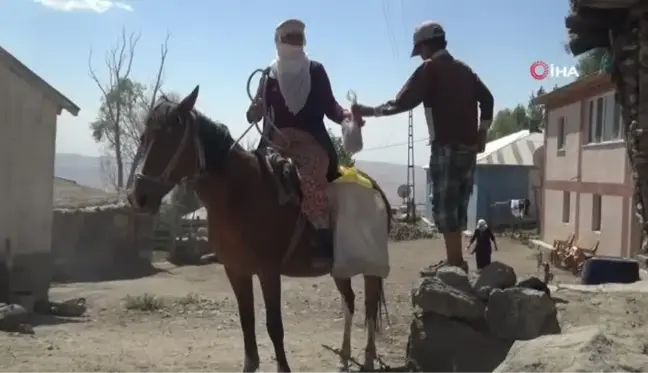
column 426, row 31
column 290, row 26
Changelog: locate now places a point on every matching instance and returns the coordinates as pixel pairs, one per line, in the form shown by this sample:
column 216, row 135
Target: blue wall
column 497, row 184
column 492, row 184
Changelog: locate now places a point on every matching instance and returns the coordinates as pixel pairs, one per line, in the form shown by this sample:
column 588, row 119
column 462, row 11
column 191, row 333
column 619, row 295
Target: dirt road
column 194, row 326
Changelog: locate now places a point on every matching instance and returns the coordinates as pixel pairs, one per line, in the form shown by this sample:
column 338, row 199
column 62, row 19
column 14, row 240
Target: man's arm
column 486, row 104
column 409, row 97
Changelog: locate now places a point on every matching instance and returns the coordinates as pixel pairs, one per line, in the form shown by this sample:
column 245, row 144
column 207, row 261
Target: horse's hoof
column 343, row 366
column 250, row 365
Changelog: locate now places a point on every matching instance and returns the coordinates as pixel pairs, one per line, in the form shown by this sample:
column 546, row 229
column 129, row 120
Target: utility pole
column 411, row 203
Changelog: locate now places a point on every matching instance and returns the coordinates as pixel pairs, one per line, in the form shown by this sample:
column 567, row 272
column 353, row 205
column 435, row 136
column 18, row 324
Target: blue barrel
column 609, row 269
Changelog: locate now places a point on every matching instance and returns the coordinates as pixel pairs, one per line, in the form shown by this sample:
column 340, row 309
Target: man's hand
column 496, row 249
column 354, row 116
column 482, row 136
column 363, row 111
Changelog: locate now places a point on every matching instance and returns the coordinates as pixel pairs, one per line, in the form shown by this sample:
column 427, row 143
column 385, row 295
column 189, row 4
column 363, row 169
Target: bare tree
column 125, row 104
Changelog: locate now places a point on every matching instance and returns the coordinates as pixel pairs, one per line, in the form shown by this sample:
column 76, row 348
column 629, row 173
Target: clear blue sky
column 364, row 45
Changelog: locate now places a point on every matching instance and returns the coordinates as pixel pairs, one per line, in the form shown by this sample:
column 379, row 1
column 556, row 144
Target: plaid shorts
column 452, row 170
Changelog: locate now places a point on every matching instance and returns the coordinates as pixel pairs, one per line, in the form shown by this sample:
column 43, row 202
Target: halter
column 190, row 134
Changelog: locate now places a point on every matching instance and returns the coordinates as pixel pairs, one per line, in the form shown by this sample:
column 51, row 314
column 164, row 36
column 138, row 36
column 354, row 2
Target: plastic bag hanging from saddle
column 359, row 217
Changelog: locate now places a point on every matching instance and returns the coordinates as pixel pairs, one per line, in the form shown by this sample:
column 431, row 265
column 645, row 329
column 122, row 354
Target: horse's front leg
column 243, row 291
column 271, row 288
column 348, row 308
column 373, row 301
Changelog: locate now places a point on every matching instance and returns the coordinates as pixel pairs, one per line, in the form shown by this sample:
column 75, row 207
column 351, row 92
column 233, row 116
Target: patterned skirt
column 312, row 161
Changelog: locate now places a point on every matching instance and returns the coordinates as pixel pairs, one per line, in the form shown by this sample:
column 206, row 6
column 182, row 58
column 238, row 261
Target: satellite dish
column 404, row 191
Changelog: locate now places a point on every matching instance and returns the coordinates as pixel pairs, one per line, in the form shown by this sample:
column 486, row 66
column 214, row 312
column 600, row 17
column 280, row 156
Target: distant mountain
column 86, row 170
column 83, row 169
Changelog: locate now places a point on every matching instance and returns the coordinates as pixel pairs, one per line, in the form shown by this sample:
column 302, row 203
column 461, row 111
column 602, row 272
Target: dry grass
column 68, row 194
column 145, row 302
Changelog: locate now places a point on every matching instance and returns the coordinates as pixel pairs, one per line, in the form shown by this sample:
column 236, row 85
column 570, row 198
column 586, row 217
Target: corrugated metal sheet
column 516, row 149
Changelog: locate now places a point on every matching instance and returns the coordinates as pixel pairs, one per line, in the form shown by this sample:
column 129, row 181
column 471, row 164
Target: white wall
column 27, row 147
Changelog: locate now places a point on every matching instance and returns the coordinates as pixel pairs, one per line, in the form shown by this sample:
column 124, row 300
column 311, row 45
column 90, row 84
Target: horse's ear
column 187, row 104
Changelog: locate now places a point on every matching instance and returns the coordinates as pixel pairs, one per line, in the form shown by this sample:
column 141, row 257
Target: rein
column 190, row 134
column 268, row 117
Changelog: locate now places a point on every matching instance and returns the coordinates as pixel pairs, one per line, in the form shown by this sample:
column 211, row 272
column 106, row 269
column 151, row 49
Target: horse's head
column 170, row 152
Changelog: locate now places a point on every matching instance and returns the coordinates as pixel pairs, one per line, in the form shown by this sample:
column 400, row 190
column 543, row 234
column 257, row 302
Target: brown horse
column 250, row 231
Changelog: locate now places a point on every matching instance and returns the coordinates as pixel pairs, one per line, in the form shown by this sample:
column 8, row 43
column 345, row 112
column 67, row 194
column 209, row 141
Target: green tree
column 536, row 113
column 590, row 62
column 344, row 158
column 508, row 121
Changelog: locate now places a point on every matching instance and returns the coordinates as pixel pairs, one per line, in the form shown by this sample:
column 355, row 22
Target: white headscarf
column 481, row 224
column 291, row 68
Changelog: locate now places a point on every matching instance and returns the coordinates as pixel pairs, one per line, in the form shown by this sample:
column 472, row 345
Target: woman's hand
column 255, row 111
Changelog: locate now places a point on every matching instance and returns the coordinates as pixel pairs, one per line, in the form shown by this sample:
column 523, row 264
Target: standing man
column 450, row 92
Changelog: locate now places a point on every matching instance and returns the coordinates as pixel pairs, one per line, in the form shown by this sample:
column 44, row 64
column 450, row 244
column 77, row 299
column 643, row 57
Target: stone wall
column 100, row 243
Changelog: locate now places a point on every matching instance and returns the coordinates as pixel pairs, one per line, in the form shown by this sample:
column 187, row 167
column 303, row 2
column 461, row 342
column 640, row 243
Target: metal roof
column 516, row 149
column 37, row 82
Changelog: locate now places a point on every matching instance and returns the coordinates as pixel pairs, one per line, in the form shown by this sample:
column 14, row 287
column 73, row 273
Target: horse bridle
column 190, row 134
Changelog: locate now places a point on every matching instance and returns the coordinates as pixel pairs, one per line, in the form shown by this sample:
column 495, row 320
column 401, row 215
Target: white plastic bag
column 351, row 136
column 359, row 218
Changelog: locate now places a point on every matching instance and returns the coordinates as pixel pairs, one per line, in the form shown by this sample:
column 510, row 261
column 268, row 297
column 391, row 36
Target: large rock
column 496, row 275
column 433, row 295
column 534, row 283
column 583, row 349
column 439, row 344
column 455, row 277
column 521, row 314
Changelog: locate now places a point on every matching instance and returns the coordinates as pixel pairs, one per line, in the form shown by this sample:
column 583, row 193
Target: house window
column 561, row 134
column 617, row 123
column 566, row 208
column 596, row 212
column 596, row 122
column 605, row 122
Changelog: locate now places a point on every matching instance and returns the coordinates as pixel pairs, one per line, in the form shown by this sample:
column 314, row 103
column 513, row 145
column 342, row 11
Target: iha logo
column 541, row 70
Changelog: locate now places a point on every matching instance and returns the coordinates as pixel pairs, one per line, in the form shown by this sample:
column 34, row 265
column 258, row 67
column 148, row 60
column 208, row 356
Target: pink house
column 586, row 183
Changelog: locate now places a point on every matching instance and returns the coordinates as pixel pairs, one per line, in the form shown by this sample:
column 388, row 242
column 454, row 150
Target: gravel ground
column 194, row 324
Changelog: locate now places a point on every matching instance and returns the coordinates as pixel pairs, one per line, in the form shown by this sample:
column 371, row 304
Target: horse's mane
column 214, row 135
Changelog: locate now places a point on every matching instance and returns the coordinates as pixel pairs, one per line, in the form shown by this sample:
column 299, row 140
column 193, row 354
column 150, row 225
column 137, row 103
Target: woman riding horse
column 297, row 96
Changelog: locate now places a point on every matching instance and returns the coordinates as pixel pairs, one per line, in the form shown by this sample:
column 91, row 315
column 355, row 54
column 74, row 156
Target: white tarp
column 359, row 217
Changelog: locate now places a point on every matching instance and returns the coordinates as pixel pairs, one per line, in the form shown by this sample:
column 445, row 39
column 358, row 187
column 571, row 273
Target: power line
column 393, row 145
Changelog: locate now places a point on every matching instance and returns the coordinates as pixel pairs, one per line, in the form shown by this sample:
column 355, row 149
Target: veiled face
column 293, row 38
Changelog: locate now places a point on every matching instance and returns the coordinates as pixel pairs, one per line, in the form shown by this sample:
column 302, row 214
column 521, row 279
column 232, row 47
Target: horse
column 251, row 232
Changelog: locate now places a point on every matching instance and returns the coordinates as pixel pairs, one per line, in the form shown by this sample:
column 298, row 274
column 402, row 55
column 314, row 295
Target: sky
column 363, row 44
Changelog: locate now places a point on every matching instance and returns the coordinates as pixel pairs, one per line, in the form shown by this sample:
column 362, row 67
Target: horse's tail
column 383, row 313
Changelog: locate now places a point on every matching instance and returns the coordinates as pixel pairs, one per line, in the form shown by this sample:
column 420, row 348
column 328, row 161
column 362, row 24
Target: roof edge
column 26, row 73
column 571, row 88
